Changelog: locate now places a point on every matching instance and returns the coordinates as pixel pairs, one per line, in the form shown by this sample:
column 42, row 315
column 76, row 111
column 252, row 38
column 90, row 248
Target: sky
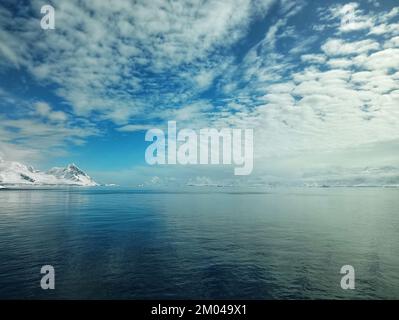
column 317, row 81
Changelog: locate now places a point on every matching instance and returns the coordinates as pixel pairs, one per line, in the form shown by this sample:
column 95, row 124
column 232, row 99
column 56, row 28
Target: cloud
column 341, row 97
column 352, row 19
column 134, row 128
column 385, row 29
column 44, row 110
column 109, row 58
column 314, row 58
column 383, row 60
column 34, row 132
column 394, row 12
column 392, row 43
column 340, row 63
column 204, row 79
column 339, row 47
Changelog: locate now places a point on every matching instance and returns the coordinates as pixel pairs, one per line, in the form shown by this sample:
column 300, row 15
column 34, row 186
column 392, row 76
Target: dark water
column 140, row 245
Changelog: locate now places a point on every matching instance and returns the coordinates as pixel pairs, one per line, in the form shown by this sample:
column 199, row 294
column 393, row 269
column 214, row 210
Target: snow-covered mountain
column 15, row 173
column 72, row 174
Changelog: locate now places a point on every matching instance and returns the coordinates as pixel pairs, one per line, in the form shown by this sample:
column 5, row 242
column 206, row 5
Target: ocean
column 117, row 243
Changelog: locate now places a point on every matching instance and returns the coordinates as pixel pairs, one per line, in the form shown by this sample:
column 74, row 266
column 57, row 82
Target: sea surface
column 200, row 244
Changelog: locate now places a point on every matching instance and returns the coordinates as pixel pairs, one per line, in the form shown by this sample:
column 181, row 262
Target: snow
column 15, row 173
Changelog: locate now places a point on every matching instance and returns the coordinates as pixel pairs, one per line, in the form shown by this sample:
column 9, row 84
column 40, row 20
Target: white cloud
column 382, row 60
column 58, row 116
column 24, row 139
column 134, row 127
column 328, row 107
column 204, row 79
column 35, row 132
column 98, row 53
column 391, row 14
column 351, row 17
column 339, row 47
column 392, row 43
column 44, row 110
column 385, row 29
column 314, row 58
column 339, row 63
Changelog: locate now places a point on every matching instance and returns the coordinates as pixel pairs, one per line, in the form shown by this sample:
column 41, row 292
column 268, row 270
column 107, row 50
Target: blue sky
column 318, row 82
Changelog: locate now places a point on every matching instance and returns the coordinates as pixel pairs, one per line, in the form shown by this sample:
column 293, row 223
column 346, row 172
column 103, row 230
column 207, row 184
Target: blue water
column 119, row 243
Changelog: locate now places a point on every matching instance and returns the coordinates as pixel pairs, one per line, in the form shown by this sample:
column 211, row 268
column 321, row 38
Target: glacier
column 13, row 173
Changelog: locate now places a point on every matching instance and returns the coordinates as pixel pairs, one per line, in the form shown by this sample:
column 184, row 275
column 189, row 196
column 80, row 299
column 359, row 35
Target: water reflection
column 123, row 244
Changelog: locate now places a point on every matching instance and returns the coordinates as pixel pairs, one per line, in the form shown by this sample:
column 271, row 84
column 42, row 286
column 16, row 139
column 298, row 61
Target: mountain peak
column 74, row 167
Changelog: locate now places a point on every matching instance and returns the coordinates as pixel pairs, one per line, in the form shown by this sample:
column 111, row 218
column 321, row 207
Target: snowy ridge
column 15, row 173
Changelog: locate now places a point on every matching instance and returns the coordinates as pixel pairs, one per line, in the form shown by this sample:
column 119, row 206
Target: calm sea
column 202, row 244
